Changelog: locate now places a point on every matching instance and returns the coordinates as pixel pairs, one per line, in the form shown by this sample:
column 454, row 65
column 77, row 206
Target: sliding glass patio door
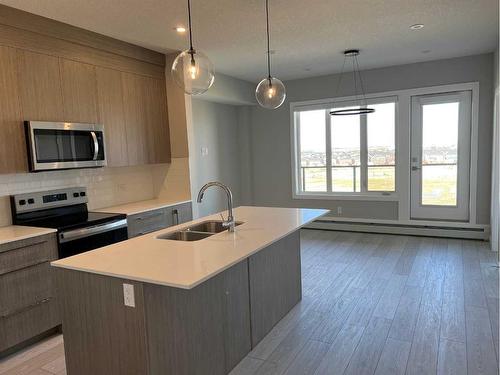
column 440, row 156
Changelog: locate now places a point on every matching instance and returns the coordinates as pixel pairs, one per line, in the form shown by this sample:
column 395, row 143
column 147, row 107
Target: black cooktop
column 65, row 218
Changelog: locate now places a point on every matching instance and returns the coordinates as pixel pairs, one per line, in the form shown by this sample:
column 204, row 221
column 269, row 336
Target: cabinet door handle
column 96, row 145
column 175, row 217
column 155, row 214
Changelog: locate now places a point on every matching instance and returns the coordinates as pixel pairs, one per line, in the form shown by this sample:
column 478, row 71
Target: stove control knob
column 82, row 194
column 76, row 195
column 22, row 202
column 31, row 201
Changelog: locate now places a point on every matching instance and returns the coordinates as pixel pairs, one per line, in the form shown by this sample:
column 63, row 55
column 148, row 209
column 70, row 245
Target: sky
column 439, row 127
column 345, row 129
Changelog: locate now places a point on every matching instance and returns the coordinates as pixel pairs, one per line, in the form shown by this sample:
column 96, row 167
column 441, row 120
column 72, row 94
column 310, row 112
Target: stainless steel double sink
column 197, row 231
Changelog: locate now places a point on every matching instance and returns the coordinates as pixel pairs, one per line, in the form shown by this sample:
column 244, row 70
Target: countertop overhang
column 187, row 264
column 13, row 233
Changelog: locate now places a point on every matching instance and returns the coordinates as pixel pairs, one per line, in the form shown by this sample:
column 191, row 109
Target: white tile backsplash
column 105, row 186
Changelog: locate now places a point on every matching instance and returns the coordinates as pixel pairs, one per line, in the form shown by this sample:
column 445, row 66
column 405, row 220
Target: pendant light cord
column 190, row 32
column 340, row 78
column 355, row 69
column 361, row 81
column 354, row 77
column 361, row 107
column 268, row 43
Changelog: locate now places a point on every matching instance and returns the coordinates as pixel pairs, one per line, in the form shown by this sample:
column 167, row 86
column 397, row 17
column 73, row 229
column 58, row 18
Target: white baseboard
column 454, row 230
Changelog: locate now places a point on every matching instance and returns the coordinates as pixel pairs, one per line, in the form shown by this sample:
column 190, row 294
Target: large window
column 345, row 155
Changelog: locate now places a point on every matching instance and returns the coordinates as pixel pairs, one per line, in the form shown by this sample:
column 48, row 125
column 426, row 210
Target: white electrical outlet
column 339, row 210
column 128, row 295
column 204, row 151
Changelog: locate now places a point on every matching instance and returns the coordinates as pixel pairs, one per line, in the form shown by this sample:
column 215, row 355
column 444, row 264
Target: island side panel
column 101, row 334
column 275, row 284
column 204, row 330
column 237, row 335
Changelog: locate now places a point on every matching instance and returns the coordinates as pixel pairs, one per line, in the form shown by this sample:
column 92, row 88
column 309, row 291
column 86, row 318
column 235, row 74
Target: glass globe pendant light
column 192, row 70
column 362, row 108
column 270, row 92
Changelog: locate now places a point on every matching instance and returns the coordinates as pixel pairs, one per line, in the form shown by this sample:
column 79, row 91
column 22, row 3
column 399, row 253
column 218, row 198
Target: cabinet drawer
column 150, row 221
column 20, row 254
column 25, row 288
column 146, row 222
column 28, row 323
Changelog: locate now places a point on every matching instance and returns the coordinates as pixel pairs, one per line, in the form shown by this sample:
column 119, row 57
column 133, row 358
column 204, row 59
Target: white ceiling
column 308, row 35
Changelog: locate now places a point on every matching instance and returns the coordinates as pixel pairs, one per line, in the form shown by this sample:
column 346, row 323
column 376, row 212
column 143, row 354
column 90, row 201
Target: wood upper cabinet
column 134, row 102
column 111, row 115
column 145, row 108
column 157, row 121
column 79, row 91
column 40, row 87
column 12, row 146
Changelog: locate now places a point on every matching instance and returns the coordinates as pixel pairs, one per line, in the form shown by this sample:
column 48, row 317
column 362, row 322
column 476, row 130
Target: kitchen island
column 152, row 305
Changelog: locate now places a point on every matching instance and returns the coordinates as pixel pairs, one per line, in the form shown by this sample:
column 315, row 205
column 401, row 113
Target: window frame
column 327, row 105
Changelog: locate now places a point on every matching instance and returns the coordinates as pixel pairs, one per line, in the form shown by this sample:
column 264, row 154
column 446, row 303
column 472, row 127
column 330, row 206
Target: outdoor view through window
column 362, row 153
column 439, row 154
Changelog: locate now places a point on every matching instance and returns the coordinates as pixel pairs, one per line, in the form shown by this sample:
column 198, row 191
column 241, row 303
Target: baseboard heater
column 479, row 233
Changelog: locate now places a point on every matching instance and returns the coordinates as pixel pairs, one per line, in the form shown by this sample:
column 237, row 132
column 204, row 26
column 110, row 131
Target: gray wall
column 230, row 90
column 495, row 173
column 215, row 126
column 269, row 131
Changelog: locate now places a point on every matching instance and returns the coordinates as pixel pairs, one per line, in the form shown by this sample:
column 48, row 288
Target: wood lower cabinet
column 205, row 330
column 275, row 284
column 150, row 221
column 27, row 290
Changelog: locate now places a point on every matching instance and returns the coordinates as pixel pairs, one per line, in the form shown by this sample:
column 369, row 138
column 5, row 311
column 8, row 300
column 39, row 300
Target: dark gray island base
column 204, row 330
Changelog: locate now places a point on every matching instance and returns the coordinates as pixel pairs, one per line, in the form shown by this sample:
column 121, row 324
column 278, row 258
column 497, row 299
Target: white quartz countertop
column 186, row 264
column 141, row 206
column 18, row 232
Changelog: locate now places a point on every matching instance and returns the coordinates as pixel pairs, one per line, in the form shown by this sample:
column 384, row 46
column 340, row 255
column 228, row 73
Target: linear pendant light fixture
column 192, row 70
column 363, row 108
column 270, row 92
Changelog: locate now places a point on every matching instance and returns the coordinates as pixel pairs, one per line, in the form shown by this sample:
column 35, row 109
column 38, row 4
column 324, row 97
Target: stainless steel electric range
column 78, row 230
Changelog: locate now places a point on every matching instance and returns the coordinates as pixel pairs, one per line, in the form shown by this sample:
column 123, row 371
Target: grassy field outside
column 438, row 182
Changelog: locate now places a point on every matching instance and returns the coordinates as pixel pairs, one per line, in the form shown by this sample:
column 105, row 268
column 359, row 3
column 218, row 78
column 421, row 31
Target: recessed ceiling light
column 417, row 26
column 180, row 29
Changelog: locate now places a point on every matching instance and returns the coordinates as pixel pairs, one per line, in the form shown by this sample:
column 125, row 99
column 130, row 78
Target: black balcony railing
column 356, row 170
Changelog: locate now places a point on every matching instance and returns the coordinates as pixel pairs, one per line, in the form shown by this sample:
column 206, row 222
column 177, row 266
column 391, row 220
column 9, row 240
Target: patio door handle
column 415, row 168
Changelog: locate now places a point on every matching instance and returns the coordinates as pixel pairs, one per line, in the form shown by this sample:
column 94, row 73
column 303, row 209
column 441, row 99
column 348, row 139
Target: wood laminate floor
column 372, row 304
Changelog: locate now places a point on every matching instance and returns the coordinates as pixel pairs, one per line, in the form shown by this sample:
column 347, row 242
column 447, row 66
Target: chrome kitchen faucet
column 229, row 223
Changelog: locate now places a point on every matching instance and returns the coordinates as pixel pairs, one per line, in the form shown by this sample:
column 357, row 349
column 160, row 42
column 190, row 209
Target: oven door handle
column 96, row 145
column 75, row 234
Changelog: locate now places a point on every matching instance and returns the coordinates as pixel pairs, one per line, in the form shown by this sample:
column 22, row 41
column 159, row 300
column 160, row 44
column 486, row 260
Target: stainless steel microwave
column 64, row 145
